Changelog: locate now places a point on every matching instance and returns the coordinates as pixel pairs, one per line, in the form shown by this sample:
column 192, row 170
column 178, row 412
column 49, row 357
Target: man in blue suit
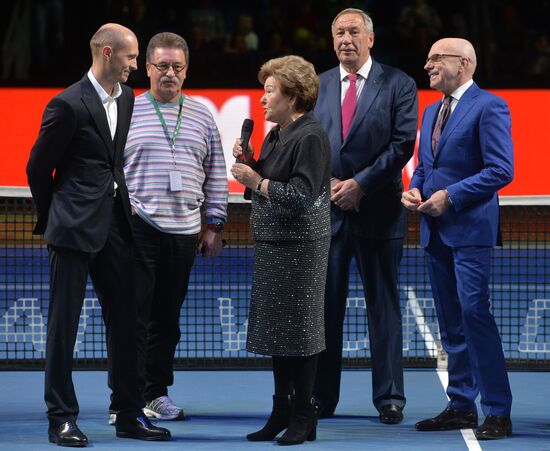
column 465, row 157
column 372, row 136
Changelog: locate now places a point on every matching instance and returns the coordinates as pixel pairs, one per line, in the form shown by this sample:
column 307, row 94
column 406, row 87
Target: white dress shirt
column 362, row 75
column 108, row 101
column 110, row 105
column 458, row 93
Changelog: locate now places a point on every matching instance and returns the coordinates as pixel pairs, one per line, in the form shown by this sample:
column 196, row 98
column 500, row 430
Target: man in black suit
column 77, row 182
column 369, row 111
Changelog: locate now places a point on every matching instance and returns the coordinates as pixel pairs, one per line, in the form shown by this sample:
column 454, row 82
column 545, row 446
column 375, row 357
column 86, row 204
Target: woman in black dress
column 290, row 220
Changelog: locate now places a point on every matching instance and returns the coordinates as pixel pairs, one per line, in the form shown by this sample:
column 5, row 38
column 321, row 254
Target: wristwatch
column 259, row 187
column 216, row 226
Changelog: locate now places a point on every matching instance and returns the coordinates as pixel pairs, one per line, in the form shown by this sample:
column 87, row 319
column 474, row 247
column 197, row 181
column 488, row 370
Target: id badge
column 175, row 180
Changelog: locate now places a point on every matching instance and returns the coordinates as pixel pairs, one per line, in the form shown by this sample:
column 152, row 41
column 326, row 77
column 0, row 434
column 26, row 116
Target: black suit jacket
column 379, row 144
column 73, row 164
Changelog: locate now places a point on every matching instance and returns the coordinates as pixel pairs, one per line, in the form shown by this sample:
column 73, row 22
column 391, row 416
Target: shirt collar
column 459, row 92
column 363, row 71
column 101, row 92
column 285, row 134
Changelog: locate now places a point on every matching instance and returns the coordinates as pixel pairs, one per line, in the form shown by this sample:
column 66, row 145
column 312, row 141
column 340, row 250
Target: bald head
column 458, row 46
column 112, row 35
column 114, row 53
column 451, row 63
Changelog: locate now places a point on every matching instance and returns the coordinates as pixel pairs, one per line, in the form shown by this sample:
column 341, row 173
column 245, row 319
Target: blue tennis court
column 223, row 406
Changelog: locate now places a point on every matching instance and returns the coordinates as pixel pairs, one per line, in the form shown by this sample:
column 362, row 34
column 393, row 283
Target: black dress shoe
column 322, row 410
column 67, row 434
column 391, row 414
column 494, row 427
column 447, row 420
column 140, row 428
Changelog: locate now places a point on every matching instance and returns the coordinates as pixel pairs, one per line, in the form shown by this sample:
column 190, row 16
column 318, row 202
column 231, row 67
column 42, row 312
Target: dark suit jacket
column 379, row 144
column 473, row 161
column 73, row 164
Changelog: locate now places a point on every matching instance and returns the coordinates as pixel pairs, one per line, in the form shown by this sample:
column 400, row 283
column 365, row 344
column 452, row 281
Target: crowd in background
column 42, row 41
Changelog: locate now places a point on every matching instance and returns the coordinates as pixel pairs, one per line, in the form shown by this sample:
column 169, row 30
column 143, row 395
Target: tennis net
column 213, row 319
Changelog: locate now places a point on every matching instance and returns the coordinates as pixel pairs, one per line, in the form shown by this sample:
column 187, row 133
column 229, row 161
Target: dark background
column 46, row 43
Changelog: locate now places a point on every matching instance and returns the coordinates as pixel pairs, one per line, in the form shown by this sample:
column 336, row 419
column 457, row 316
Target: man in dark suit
column 77, row 182
column 372, row 138
column 465, row 157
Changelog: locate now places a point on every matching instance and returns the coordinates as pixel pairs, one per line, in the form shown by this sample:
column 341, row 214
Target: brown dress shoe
column 447, row 420
column 494, row 427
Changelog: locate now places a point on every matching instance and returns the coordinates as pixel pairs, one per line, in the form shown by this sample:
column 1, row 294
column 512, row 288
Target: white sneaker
column 163, row 408
column 112, row 419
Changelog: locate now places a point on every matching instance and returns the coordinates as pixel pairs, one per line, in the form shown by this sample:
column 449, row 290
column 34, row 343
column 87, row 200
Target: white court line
column 467, row 434
column 425, row 332
column 429, row 340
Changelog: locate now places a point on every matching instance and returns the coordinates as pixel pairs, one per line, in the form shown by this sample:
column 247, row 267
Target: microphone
column 246, row 132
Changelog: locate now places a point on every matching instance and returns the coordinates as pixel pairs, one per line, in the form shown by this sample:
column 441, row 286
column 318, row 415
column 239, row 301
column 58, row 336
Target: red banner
column 22, row 110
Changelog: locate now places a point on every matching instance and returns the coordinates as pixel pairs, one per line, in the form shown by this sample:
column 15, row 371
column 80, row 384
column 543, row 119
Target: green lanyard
column 172, row 140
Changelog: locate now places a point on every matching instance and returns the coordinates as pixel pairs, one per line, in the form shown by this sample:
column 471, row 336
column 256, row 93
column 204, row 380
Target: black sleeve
column 307, row 178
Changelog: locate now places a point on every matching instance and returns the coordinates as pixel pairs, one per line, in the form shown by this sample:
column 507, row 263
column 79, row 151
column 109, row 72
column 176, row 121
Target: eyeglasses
column 437, row 57
column 165, row 67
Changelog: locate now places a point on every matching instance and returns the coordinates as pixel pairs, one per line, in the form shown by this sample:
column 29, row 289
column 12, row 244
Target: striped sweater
column 148, row 161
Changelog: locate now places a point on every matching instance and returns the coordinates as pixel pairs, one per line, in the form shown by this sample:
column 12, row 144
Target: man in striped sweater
column 174, row 167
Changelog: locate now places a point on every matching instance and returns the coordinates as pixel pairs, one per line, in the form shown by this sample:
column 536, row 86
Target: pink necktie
column 349, row 104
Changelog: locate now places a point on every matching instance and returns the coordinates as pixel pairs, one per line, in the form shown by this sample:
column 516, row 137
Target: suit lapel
column 269, row 144
column 368, row 94
column 333, row 99
column 427, row 129
column 97, row 112
column 463, row 106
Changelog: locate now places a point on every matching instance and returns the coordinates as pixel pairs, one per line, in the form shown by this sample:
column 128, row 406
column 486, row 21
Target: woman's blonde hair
column 297, row 78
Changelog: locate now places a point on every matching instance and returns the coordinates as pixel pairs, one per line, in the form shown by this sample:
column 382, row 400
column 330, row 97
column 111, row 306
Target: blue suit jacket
column 379, row 144
column 473, row 161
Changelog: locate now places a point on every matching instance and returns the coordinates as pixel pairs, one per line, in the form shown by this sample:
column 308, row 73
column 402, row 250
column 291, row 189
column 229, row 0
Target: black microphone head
column 248, row 125
column 246, row 133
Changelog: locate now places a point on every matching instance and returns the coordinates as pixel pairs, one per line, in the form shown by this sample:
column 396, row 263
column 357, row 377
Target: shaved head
column 450, row 64
column 112, row 35
column 114, row 54
column 457, row 46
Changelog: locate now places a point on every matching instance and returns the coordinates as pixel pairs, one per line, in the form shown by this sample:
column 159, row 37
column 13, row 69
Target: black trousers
column 162, row 263
column 378, row 264
column 111, row 273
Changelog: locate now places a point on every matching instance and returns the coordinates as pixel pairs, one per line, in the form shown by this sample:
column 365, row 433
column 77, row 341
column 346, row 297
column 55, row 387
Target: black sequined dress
column 291, row 233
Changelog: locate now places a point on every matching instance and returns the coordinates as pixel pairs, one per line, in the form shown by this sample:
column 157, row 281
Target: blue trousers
column 460, row 284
